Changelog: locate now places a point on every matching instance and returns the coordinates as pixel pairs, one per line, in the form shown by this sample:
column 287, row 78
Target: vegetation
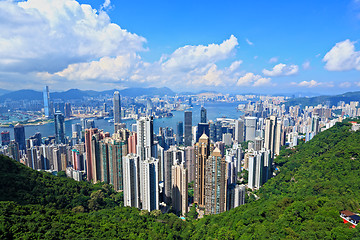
column 316, row 180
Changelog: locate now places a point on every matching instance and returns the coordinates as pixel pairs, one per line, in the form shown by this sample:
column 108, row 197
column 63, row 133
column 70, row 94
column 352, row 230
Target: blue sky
column 229, row 46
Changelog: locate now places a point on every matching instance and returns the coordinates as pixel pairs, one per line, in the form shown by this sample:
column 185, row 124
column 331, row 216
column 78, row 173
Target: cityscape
column 179, row 120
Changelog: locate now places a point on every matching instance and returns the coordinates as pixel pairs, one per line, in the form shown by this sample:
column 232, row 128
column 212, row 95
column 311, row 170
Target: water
column 214, row 110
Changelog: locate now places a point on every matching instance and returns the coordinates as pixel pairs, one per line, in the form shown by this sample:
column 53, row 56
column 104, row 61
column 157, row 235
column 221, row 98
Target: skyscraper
column 59, row 127
column 203, row 118
column 46, row 96
column 179, row 188
column 19, row 136
column 239, row 130
column 188, row 128
column 171, row 156
column 202, row 152
column 250, row 125
column 131, row 180
column 149, row 184
column 5, row 138
column 67, row 110
column 117, row 107
column 202, row 128
column 145, row 138
column 179, row 133
column 272, row 135
column 215, row 183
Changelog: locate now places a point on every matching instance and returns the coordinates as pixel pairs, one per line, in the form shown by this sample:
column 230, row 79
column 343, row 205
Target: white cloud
column 249, row 42
column 190, row 57
column 342, row 57
column 250, row 79
column 281, row 70
column 106, row 4
column 306, row 65
column 273, row 60
column 345, row 84
column 43, row 35
column 313, row 83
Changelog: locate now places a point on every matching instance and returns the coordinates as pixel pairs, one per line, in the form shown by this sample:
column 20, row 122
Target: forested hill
column 316, row 180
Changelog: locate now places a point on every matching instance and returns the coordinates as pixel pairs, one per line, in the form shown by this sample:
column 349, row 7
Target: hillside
column 316, row 180
column 74, row 94
column 333, row 100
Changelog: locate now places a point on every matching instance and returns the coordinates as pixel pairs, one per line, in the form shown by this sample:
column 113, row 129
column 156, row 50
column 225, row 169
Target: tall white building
column 145, row 138
column 131, row 180
column 250, row 127
column 149, row 184
column 272, row 135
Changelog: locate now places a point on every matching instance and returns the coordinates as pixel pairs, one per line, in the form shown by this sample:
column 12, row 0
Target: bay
column 214, row 110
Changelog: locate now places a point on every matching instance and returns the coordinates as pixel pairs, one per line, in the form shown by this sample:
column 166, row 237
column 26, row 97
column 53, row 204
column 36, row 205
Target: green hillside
column 315, row 181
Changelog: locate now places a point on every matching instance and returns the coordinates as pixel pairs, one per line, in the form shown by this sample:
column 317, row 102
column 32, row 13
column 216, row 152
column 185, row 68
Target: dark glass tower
column 59, row 127
column 203, row 118
column 188, row 126
column 19, row 136
column 179, row 133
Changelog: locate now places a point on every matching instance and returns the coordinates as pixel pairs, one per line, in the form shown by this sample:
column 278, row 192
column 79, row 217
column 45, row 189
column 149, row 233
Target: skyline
column 230, row 47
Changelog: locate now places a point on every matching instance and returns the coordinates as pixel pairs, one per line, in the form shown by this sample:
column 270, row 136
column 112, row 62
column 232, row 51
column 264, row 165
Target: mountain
column 314, row 181
column 75, row 94
column 333, row 100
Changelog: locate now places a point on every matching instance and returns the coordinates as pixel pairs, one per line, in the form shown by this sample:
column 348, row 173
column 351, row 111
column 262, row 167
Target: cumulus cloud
column 43, row 35
column 273, row 60
column 251, row 79
column 342, row 57
column 281, row 70
column 186, row 66
column 189, row 57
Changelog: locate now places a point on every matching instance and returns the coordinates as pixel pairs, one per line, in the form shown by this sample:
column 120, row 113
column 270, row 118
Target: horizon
column 281, row 47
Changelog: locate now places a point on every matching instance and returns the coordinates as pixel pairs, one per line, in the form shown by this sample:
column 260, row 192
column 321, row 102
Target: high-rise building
column 239, row 130
column 88, row 149
column 46, row 96
column 19, row 136
column 190, row 162
column 235, row 196
column 145, row 138
column 260, row 169
column 149, row 184
column 171, row 156
column 131, row 176
column 315, row 123
column 67, row 110
column 5, row 138
column 272, row 135
column 179, row 133
column 202, row 152
column 203, row 118
column 179, row 188
column 188, row 128
column 215, row 183
column 13, row 150
column 59, row 127
column 117, row 107
column 203, row 128
column 250, row 127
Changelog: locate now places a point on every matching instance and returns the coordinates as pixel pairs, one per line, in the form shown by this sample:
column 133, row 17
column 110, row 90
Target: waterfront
column 214, row 110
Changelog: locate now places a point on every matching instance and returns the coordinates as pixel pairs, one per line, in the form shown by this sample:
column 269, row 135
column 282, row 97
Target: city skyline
column 230, row 47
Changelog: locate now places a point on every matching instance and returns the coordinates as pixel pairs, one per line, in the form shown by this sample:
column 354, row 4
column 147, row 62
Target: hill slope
column 316, row 181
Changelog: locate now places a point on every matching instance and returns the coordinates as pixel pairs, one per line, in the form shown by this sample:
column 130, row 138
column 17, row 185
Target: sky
column 267, row 47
